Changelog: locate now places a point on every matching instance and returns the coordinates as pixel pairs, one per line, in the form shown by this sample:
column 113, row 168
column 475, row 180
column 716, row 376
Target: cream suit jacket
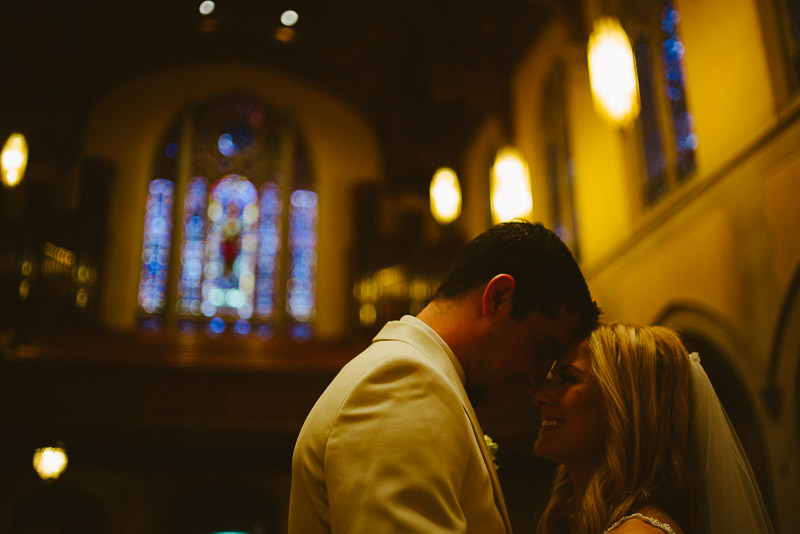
column 393, row 445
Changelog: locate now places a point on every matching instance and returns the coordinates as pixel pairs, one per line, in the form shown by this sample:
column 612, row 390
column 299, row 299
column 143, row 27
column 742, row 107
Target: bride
column 643, row 442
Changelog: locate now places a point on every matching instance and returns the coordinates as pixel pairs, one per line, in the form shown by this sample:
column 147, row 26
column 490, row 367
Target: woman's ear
column 498, row 295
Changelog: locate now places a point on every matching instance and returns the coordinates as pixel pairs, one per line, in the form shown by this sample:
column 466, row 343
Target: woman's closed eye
column 568, row 375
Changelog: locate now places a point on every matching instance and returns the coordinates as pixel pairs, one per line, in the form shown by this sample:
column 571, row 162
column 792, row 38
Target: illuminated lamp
column 50, row 462
column 289, row 17
column 511, row 196
column 13, row 160
column 612, row 73
column 445, row 196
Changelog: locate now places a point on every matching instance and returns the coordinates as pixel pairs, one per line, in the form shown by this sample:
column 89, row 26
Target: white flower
column 492, row 446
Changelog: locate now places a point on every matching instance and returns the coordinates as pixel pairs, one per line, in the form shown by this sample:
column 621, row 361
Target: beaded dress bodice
column 647, row 519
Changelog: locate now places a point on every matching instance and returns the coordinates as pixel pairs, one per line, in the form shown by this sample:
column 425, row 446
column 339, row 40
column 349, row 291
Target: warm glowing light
column 50, row 462
column 612, row 72
column 289, row 17
column 511, row 187
column 13, row 160
column 207, row 7
column 445, row 196
column 367, row 314
column 284, row 34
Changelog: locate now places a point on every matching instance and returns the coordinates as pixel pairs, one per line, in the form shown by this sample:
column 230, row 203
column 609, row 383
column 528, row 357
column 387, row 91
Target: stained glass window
column 270, row 239
column 155, row 252
column 682, row 120
column 231, row 245
column 189, row 290
column 790, row 16
column 558, row 158
column 665, row 124
column 654, row 156
column 242, row 207
column 303, row 245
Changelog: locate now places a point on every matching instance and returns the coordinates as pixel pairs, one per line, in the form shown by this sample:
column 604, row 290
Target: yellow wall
column 601, row 184
column 727, row 79
column 126, row 127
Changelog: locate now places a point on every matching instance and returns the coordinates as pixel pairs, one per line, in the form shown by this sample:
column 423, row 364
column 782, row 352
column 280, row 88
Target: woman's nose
column 542, row 396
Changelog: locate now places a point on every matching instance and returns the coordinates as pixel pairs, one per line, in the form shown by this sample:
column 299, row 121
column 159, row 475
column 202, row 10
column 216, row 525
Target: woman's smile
column 572, row 412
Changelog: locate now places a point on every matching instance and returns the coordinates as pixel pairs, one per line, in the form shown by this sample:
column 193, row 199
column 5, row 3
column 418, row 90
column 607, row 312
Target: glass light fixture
column 510, row 187
column 50, row 462
column 445, row 194
column 289, row 17
column 612, row 73
column 207, row 7
column 13, row 160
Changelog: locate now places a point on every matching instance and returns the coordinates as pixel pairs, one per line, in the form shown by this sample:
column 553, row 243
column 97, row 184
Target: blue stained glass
column 226, row 145
column 302, row 245
column 155, row 253
column 189, row 289
column 300, row 332
column 241, row 327
column 215, row 326
column 682, row 120
column 269, row 245
column 230, row 248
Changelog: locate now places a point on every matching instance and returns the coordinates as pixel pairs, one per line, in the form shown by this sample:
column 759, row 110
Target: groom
column 393, row 444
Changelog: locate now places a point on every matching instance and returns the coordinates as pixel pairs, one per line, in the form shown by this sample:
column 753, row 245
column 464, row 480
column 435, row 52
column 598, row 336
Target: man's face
column 526, row 348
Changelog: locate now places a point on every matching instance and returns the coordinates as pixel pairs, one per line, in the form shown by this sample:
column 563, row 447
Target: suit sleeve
column 396, row 454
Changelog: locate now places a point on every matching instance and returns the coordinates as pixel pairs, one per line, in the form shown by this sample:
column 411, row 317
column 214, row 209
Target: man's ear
column 498, row 295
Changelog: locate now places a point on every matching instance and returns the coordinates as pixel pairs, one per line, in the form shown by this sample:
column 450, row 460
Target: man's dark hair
column 547, row 276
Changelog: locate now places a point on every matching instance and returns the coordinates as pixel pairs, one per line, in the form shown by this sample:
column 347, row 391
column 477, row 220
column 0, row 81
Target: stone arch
column 782, row 393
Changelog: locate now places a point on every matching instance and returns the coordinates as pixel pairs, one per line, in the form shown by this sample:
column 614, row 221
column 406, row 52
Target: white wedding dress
column 647, row 519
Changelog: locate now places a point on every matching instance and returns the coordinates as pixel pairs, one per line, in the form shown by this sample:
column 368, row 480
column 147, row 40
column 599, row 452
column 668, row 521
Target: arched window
column 558, row 158
column 789, row 17
column 230, row 230
column 665, row 126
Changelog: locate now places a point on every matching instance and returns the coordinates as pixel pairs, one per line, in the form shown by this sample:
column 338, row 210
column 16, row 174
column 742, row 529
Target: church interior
column 208, row 208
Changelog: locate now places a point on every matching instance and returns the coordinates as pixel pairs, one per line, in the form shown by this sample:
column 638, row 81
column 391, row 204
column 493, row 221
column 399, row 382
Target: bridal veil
column 733, row 503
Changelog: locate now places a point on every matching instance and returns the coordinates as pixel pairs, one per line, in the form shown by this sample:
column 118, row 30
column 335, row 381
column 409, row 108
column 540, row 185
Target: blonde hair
column 644, row 375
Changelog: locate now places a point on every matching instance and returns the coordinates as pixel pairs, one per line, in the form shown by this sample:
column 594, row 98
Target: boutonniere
column 492, row 446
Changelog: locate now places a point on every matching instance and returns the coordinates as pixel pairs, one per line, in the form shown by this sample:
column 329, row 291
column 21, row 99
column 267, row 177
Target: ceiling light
column 289, row 18
column 13, row 160
column 207, row 7
column 50, row 462
column 511, row 187
column 612, row 72
column 445, row 196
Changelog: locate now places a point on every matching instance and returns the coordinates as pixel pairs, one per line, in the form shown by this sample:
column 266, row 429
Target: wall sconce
column 510, row 187
column 445, row 196
column 612, row 73
column 13, row 160
column 50, row 462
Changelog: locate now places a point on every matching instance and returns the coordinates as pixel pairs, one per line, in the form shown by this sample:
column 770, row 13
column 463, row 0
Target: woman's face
column 572, row 413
